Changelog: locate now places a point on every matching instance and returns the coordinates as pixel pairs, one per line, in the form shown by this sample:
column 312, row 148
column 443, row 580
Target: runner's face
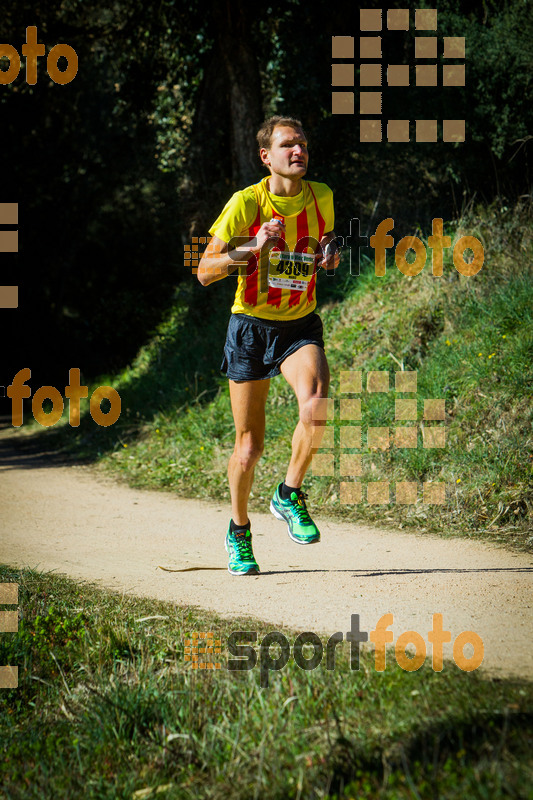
column 287, row 156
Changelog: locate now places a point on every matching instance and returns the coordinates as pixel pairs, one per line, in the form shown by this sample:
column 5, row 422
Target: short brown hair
column 264, row 134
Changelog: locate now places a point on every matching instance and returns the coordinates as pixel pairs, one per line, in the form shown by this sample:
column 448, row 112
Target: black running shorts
column 255, row 348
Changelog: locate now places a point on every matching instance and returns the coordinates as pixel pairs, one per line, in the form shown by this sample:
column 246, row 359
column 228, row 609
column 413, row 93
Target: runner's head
column 283, row 147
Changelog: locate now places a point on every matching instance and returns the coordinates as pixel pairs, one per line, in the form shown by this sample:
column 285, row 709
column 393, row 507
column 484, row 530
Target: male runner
column 273, row 327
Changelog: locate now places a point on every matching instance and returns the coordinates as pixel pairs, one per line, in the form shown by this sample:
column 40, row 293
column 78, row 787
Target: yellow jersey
column 282, row 286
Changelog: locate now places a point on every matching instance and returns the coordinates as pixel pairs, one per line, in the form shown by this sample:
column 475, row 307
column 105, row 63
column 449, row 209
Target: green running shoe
column 301, row 527
column 241, row 556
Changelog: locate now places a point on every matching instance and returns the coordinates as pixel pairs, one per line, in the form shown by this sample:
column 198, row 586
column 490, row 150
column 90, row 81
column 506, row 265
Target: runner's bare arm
column 218, row 262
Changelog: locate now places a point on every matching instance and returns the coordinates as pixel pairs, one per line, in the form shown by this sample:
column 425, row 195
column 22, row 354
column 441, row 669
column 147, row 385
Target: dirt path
column 72, row 521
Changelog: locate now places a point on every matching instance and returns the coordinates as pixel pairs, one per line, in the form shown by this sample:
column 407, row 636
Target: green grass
column 470, row 340
column 107, row 707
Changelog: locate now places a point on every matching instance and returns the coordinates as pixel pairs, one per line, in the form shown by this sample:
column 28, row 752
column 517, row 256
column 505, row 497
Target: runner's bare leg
column 307, row 372
column 248, row 399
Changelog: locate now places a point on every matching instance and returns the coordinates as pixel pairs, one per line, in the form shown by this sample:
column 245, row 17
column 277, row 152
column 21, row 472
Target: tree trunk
column 233, row 32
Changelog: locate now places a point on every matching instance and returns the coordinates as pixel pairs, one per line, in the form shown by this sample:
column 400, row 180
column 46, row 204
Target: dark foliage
column 116, row 170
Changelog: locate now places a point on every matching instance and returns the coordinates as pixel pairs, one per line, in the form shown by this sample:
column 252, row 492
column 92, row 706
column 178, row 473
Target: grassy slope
column 470, row 339
column 107, row 708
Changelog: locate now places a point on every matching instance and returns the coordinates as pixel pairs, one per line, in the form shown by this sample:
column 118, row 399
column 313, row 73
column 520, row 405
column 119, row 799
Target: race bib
column 288, row 270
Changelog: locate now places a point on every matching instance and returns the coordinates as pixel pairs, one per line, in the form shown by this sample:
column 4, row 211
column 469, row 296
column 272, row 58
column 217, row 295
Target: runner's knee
column 248, row 450
column 313, row 408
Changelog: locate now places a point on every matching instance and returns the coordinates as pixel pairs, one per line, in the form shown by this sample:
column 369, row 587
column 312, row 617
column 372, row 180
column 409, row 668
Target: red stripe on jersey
column 321, row 226
column 302, row 232
column 274, row 293
column 320, row 218
column 311, row 288
column 252, row 271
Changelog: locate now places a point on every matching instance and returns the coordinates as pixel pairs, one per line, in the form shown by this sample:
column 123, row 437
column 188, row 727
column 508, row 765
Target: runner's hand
column 330, row 258
column 273, row 229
